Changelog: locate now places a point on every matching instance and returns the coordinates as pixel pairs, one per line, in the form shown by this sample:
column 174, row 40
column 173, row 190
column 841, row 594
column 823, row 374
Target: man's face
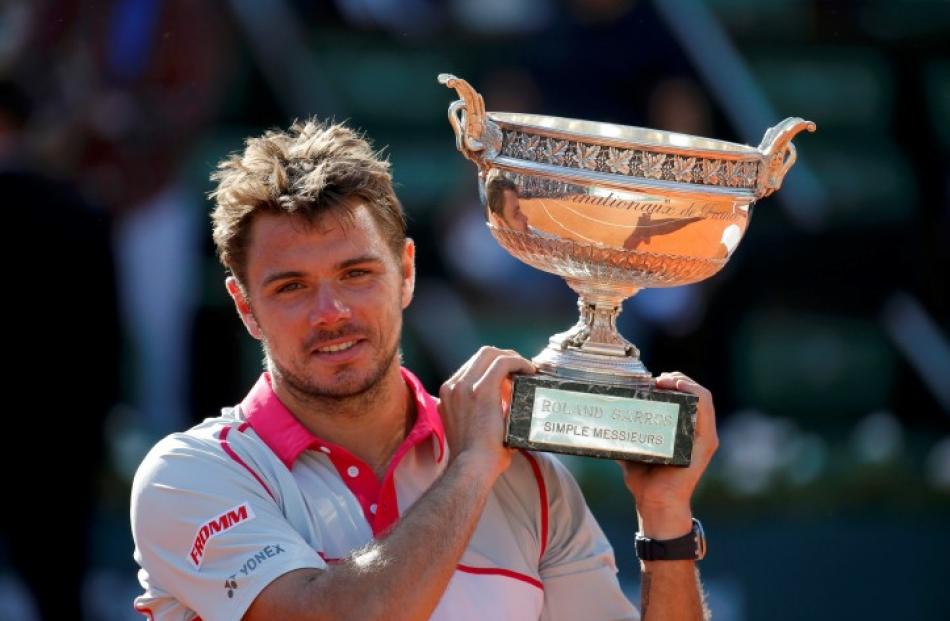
column 512, row 214
column 326, row 300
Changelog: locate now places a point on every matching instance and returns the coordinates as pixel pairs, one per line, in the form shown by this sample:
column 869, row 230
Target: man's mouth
column 329, row 349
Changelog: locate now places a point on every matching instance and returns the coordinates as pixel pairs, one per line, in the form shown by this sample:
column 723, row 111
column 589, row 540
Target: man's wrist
column 688, row 547
column 664, row 522
column 478, row 464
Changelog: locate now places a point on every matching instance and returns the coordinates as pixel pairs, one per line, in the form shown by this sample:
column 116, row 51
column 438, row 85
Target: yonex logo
column 219, row 524
column 251, row 565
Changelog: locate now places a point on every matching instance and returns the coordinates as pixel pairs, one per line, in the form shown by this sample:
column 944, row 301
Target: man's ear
column 243, row 307
column 408, row 271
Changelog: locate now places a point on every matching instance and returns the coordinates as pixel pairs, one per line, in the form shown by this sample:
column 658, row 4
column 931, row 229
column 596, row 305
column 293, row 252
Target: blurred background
column 826, row 339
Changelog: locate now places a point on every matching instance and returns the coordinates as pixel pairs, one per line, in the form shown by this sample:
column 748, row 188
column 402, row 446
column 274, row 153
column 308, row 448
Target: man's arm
column 670, row 590
column 404, row 574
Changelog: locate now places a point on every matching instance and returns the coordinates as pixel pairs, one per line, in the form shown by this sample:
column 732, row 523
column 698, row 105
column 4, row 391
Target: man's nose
column 329, row 307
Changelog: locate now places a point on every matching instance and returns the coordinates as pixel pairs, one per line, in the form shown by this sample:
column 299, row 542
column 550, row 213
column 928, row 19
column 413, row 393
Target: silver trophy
column 612, row 209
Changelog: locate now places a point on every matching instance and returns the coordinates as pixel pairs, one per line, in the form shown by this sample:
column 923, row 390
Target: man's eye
column 291, row 286
column 356, row 273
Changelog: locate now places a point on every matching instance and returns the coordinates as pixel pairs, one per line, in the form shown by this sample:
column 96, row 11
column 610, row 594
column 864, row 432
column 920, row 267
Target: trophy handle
column 467, row 117
column 779, row 153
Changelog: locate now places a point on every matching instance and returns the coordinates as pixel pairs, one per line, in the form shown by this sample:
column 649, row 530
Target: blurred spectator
column 167, row 65
column 124, row 89
column 158, row 71
column 65, row 342
column 679, row 105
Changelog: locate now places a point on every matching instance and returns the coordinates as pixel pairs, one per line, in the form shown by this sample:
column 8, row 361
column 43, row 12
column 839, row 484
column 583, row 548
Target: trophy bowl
column 612, row 209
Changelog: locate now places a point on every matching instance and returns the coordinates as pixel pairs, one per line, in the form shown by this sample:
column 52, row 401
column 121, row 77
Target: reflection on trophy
column 611, row 209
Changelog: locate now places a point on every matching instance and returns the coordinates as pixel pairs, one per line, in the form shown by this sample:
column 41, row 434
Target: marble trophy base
column 609, row 421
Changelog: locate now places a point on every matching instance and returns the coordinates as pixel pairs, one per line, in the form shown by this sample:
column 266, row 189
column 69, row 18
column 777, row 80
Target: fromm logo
column 219, row 524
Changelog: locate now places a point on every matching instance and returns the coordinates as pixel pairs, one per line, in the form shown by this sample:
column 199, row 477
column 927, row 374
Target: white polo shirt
column 220, row 511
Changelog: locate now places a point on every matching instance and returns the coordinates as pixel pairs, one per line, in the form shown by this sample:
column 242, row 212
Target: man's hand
column 670, row 590
column 663, row 493
column 473, row 403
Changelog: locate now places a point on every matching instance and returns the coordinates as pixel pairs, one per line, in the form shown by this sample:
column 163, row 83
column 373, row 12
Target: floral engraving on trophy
column 618, row 160
column 653, row 165
column 630, row 162
column 587, row 155
column 532, row 145
column 733, row 174
column 522, row 146
column 510, row 143
column 555, row 152
column 730, row 173
column 682, row 169
column 750, row 173
column 712, row 172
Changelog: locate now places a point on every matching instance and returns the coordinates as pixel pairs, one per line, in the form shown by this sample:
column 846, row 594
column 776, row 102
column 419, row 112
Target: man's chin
column 344, row 383
column 343, row 388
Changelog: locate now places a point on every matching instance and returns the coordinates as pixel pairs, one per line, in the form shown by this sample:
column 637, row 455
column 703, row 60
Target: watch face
column 700, row 539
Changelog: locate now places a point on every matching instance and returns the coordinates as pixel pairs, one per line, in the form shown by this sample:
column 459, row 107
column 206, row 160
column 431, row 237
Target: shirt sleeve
column 208, row 534
column 578, row 568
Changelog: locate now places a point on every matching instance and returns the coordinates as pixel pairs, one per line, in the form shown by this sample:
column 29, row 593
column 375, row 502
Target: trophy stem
column 596, row 330
column 593, row 349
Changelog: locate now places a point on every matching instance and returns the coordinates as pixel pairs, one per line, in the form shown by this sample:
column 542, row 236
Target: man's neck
column 371, row 426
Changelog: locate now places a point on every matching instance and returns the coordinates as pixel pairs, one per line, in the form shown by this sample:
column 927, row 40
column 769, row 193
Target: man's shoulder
column 184, row 455
column 206, row 432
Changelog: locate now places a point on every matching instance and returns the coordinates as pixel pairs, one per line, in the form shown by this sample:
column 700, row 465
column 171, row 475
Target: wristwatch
column 689, row 547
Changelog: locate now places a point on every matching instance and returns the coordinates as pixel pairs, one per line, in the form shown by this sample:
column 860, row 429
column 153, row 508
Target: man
column 504, row 208
column 339, row 488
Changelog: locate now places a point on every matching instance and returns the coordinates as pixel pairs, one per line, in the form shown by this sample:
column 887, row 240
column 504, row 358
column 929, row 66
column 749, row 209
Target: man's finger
column 681, row 382
column 467, row 365
column 500, row 368
column 478, row 364
column 705, row 412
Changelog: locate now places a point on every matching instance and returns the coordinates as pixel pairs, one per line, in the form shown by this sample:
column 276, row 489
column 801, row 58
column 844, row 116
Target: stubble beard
column 340, row 392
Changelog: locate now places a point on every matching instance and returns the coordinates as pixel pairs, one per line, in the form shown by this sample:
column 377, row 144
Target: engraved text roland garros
column 602, row 421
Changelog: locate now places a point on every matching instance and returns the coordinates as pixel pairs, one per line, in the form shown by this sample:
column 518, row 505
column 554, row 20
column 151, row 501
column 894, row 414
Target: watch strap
column 689, row 547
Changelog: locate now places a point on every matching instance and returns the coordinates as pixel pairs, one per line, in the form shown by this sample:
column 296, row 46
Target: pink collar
column 284, row 434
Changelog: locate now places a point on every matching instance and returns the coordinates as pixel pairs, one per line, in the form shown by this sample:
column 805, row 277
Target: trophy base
column 636, row 422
